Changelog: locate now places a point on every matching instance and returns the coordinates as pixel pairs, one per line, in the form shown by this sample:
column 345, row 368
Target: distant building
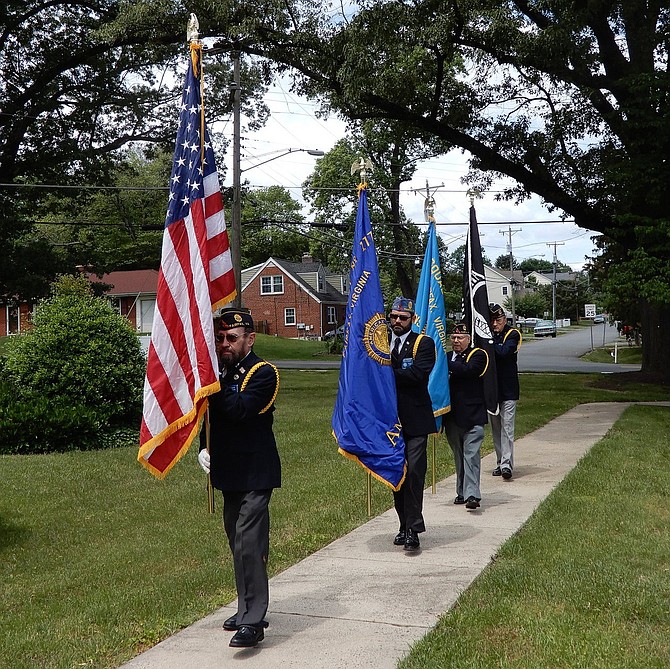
column 15, row 315
column 133, row 295
column 535, row 279
column 294, row 300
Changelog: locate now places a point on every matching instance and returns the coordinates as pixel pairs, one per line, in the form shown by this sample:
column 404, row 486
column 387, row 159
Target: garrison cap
column 232, row 317
column 496, row 311
column 403, row 304
column 460, row 328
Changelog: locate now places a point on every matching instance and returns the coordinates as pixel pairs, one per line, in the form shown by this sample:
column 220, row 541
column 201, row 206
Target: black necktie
column 396, row 350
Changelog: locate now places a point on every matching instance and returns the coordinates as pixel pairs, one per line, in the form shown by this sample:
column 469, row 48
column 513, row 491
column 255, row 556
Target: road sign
column 589, row 310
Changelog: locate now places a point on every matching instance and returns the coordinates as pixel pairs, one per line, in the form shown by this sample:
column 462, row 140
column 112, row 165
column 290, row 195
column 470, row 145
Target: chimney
column 307, row 258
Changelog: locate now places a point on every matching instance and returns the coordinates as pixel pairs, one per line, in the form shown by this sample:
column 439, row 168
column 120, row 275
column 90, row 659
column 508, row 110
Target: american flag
column 195, row 278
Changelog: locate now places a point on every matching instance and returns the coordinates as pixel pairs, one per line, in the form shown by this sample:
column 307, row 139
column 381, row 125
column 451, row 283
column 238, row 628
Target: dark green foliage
column 74, row 377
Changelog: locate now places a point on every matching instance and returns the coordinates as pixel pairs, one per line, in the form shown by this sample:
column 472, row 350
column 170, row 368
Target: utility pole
column 512, row 282
column 553, row 282
column 237, row 191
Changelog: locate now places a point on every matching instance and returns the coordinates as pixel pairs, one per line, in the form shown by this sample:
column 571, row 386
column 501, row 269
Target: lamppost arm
column 311, row 152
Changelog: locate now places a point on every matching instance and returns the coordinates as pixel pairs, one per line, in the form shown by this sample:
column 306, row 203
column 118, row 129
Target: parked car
column 600, row 318
column 545, row 329
column 334, row 333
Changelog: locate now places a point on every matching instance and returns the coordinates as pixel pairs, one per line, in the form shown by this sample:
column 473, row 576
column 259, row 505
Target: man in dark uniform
column 464, row 424
column 506, row 343
column 244, row 464
column 412, row 359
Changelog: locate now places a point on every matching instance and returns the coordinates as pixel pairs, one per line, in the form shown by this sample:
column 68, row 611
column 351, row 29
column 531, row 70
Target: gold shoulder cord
column 487, row 358
column 416, row 345
column 248, row 376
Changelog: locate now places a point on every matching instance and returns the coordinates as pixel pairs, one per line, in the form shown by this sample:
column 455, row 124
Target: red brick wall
column 270, row 308
column 25, row 314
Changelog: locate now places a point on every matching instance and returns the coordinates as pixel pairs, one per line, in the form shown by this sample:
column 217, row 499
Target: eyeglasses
column 230, row 337
column 398, row 317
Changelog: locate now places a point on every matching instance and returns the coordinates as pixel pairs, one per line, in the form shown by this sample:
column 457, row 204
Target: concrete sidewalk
column 361, row 602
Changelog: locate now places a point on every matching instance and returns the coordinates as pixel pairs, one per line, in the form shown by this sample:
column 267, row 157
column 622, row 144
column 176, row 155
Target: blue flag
column 431, row 319
column 365, row 418
column 476, row 309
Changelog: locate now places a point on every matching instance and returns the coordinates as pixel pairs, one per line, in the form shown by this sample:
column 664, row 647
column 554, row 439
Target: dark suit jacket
column 414, row 365
column 243, row 450
column 506, row 345
column 466, row 387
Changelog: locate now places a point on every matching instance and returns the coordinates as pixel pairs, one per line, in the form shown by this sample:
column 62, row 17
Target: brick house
column 293, row 300
column 133, row 294
column 15, row 316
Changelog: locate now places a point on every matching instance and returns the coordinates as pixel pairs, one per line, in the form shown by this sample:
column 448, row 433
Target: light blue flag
column 365, row 419
column 430, row 318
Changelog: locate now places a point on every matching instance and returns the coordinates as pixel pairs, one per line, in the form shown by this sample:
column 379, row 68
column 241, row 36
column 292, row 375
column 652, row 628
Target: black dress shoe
column 247, row 637
column 399, row 539
column 230, row 624
column 471, row 502
column 506, row 473
column 459, row 499
column 411, row 540
column 496, row 472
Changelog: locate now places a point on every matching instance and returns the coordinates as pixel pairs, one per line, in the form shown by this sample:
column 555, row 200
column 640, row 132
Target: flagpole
column 434, row 467
column 369, row 495
column 210, row 487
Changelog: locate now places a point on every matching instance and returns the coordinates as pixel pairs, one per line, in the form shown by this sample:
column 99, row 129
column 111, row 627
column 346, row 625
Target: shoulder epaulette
column 248, row 376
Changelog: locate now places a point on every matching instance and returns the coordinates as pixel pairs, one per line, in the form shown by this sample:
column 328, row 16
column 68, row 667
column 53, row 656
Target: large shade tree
column 568, row 98
column 80, row 81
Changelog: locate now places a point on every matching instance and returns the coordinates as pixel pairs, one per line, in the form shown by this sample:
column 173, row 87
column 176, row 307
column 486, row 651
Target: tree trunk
column 655, row 339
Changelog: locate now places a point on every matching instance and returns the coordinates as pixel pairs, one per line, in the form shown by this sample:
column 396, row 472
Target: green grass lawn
column 586, row 582
column 626, row 355
column 280, row 348
column 99, row 560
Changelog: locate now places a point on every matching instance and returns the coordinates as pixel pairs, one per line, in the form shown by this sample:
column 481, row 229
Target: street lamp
column 237, row 195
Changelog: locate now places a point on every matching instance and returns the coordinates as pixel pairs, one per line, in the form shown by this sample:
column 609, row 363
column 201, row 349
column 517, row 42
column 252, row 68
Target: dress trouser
column 465, row 445
column 408, row 500
column 246, row 519
column 502, row 431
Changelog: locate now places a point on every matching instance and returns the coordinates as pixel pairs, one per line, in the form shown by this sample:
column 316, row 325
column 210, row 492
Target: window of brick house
column 289, row 316
column 331, row 314
column 272, row 284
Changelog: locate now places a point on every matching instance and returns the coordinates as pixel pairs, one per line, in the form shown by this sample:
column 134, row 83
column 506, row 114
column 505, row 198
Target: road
column 543, row 354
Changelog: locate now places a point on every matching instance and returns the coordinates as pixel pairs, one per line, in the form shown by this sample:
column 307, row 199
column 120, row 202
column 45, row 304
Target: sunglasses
column 230, row 337
column 398, row 317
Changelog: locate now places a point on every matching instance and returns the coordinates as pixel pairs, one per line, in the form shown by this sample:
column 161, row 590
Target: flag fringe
column 195, row 414
column 355, row 458
column 221, row 303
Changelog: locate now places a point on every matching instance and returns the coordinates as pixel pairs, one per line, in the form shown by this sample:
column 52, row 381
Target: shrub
column 80, row 367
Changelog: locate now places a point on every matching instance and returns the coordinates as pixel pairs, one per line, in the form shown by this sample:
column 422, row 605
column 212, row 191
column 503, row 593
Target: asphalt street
column 542, row 354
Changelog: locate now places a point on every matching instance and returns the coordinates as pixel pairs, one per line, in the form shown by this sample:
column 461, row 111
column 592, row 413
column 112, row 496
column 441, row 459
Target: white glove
column 203, row 459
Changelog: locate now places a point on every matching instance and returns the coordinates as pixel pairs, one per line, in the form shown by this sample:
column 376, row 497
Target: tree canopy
column 569, row 99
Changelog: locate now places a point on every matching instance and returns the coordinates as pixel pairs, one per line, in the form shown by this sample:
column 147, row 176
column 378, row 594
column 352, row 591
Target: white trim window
column 272, row 284
column 289, row 316
column 504, row 291
column 331, row 315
